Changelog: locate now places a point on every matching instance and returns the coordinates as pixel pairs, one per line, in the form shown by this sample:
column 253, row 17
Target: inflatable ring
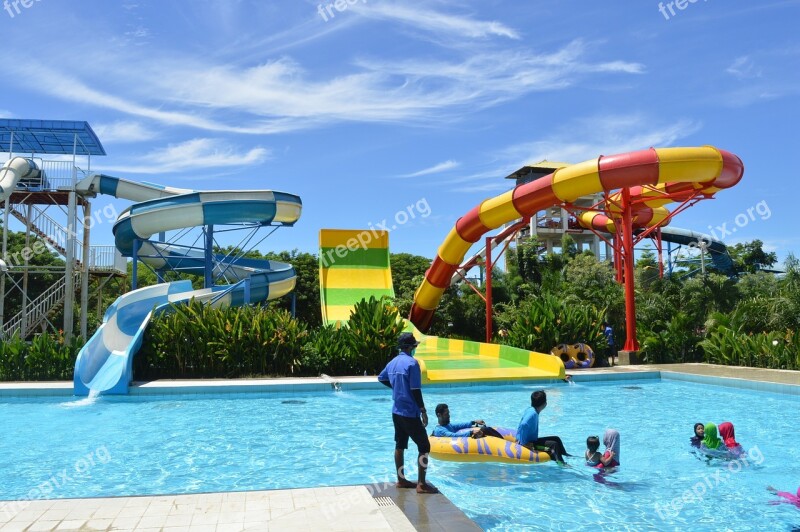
column 562, row 351
column 582, row 354
column 488, row 449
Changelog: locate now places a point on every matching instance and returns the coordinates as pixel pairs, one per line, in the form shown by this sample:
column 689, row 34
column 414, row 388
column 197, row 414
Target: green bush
column 372, row 333
column 45, row 358
column 547, row 321
column 195, row 340
column 673, row 341
column 764, row 350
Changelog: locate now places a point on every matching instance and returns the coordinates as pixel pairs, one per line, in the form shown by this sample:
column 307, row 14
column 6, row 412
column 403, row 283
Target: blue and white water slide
column 105, row 363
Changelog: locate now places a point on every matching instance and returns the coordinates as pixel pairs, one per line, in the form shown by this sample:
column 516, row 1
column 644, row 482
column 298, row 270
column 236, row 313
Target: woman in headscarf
column 697, row 439
column 727, row 433
column 611, row 455
column 710, row 439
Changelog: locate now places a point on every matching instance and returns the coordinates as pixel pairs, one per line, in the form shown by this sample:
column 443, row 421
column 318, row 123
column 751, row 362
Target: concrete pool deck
column 324, row 508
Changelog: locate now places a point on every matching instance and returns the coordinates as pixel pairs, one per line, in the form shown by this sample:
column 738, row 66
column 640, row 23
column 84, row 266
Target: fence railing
column 107, row 258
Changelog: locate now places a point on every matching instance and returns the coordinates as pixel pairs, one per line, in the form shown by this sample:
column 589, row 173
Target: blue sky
column 387, row 106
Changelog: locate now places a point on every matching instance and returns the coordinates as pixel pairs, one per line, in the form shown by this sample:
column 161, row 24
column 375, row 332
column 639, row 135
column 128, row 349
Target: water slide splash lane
column 359, row 271
column 674, row 170
column 105, row 363
column 353, row 265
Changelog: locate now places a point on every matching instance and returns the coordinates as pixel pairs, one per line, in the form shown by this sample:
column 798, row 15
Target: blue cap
column 407, row 340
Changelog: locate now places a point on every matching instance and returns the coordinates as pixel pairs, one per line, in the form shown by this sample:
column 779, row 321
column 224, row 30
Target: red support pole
column 631, row 344
column 489, row 289
column 660, row 245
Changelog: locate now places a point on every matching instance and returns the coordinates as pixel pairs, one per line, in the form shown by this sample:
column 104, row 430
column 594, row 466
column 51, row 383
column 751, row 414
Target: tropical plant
column 547, row 321
column 46, row 357
column 372, row 332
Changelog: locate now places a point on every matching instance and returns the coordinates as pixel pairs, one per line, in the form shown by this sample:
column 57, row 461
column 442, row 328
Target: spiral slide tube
column 105, row 363
column 648, row 173
column 354, row 265
column 11, row 172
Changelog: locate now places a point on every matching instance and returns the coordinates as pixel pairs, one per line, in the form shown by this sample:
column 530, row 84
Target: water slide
column 354, row 264
column 716, row 248
column 654, row 177
column 12, row 171
column 105, row 363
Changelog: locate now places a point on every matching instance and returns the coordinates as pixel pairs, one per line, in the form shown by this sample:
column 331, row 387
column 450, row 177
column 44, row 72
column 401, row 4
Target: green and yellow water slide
column 354, row 264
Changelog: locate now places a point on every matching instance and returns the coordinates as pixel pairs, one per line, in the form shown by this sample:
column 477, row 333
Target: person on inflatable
column 446, row 429
column 528, row 429
column 610, row 457
column 728, row 437
column 789, row 498
column 699, row 434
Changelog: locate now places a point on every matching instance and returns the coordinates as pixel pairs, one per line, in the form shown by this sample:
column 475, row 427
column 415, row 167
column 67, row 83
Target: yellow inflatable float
column 574, row 355
column 488, row 449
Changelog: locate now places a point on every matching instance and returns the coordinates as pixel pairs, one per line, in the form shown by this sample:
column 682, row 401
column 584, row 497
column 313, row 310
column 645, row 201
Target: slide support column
column 627, row 263
column 488, row 289
column 209, row 250
column 134, row 269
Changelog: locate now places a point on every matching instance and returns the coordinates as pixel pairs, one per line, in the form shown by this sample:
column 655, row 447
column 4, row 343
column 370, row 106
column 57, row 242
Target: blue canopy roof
column 49, row 137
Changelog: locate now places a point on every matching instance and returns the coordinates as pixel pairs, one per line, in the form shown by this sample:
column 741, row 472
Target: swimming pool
column 190, row 444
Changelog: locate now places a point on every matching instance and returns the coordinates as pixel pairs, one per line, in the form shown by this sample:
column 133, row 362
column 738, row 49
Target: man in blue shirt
column 403, row 376
column 447, row 429
column 528, row 429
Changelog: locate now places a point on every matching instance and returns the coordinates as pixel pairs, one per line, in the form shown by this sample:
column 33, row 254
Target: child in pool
column 593, row 457
column 699, row 434
column 728, row 435
column 610, row 457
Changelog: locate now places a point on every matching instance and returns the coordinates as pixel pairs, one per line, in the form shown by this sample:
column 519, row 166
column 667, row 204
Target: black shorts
column 405, row 427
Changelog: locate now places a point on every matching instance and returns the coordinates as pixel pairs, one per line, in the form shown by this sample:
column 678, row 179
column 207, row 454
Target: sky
column 409, row 114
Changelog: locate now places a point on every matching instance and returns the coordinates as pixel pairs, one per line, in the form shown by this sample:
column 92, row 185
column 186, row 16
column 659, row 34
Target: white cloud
column 602, row 135
column 605, row 135
column 280, row 95
column 437, row 22
column 435, row 169
column 744, row 67
column 194, row 154
column 122, row 131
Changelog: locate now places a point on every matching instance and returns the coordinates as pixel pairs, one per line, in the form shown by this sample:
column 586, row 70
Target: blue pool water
column 186, row 444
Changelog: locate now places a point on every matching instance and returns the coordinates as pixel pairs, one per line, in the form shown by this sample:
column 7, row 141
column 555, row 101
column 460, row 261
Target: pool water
column 189, row 444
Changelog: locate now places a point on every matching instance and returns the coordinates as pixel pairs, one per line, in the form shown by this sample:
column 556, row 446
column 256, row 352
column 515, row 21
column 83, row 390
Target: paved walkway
column 338, row 508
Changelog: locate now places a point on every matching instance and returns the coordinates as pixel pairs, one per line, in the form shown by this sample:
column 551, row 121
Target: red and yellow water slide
column 354, row 265
column 645, row 180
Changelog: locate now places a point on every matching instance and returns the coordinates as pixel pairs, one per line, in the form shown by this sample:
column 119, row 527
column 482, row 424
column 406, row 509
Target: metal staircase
column 38, row 309
column 48, row 229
